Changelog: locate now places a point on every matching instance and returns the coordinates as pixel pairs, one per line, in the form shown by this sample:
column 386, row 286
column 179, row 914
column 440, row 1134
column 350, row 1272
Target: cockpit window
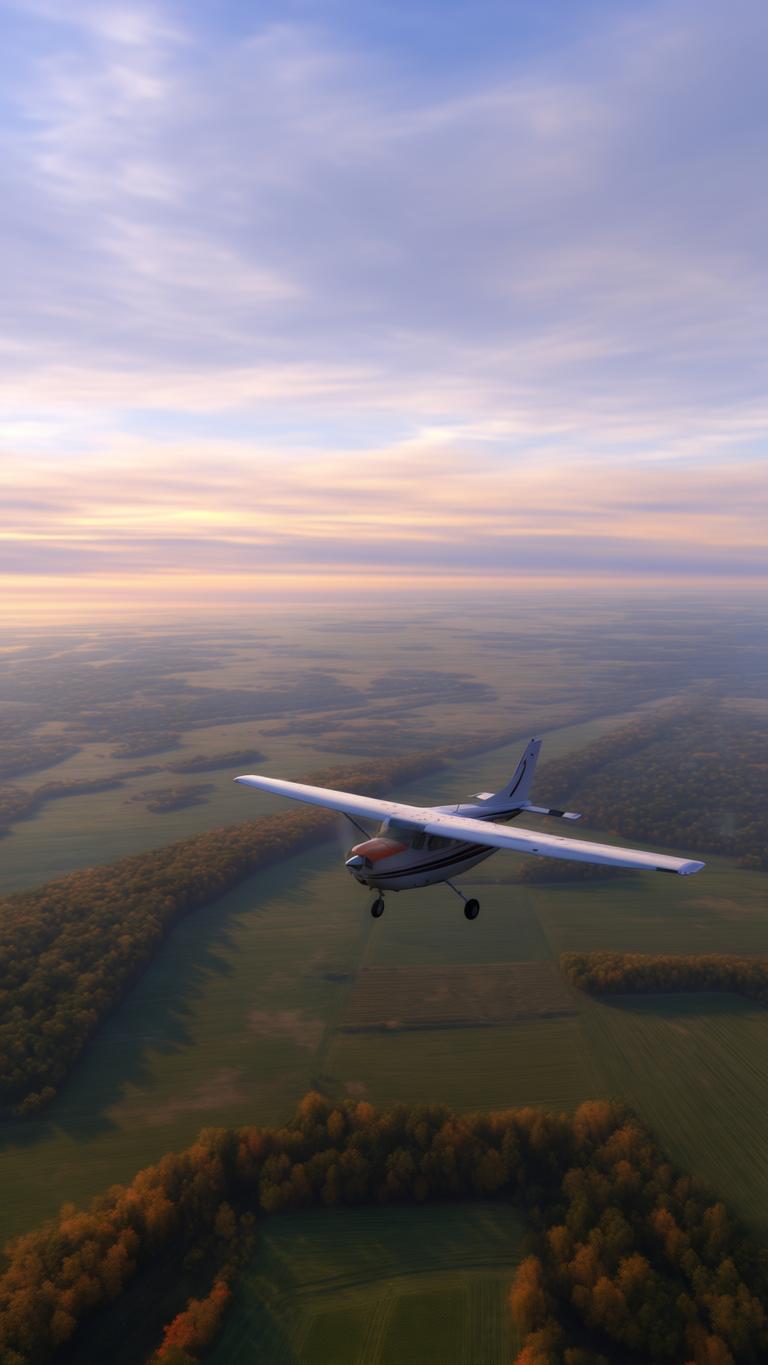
column 438, row 841
column 402, row 833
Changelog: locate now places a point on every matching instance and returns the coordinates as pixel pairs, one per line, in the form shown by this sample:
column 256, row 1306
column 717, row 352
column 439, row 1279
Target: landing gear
column 471, row 908
column 377, row 909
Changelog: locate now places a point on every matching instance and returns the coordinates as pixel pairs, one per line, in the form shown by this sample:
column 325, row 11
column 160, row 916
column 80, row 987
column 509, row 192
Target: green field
column 543, row 1061
column 456, row 995
column 695, row 1068
column 378, row 1287
column 721, row 910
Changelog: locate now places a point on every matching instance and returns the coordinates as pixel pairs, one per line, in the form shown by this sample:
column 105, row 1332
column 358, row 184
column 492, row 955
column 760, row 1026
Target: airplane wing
column 465, row 830
column 371, row 806
column 553, row 845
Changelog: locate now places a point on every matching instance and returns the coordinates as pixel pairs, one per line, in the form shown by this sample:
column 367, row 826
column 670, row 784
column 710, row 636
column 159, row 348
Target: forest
column 159, row 800
column 17, row 804
column 690, row 778
column 31, row 752
column 606, row 973
column 208, row 763
column 70, row 949
column 626, row 1253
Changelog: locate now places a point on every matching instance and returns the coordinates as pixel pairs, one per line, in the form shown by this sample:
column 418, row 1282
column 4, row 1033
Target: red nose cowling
column 376, row 849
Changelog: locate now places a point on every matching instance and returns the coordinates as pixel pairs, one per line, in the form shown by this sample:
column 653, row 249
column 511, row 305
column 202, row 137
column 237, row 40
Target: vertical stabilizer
column 517, row 791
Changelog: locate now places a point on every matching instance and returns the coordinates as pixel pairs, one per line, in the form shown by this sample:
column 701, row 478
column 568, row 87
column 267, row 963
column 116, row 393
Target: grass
column 721, row 909
column 427, row 927
column 542, row 1061
column 695, row 1069
column 456, row 996
column 378, row 1287
column 224, row 1027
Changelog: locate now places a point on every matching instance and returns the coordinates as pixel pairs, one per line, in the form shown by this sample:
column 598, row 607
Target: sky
column 337, row 296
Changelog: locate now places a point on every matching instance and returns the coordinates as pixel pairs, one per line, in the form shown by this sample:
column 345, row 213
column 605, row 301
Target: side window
column 418, row 839
column 404, row 834
column 437, row 841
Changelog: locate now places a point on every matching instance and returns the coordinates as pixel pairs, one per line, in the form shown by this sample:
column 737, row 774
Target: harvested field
column 455, row 996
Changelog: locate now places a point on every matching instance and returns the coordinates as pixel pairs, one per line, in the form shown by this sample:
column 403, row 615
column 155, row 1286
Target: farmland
column 281, row 985
column 240, row 1013
column 378, row 1287
column 540, row 1061
column 456, row 996
column 695, row 1067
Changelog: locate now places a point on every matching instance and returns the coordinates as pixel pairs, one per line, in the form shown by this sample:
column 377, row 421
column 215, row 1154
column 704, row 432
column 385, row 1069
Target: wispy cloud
column 411, row 508
column 527, row 298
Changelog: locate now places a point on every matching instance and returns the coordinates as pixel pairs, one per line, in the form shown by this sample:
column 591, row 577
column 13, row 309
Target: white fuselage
column 398, row 858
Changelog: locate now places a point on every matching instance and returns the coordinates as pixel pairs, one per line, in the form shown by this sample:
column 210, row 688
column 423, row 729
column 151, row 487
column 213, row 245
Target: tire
column 472, row 909
column 377, row 909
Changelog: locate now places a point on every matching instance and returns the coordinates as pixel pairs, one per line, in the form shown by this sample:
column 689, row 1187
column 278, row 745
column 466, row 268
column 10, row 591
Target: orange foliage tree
column 630, row 1254
column 608, row 973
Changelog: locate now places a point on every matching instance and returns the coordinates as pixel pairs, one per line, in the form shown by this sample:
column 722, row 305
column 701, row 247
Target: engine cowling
column 373, row 851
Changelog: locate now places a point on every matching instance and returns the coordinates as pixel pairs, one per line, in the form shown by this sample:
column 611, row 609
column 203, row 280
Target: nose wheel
column 377, row 909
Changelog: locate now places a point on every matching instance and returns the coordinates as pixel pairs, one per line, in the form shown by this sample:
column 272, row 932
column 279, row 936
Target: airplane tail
column 514, row 796
column 517, row 791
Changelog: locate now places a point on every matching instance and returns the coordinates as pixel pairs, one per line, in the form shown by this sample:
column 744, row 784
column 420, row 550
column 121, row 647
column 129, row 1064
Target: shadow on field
column 677, row 1005
column 157, row 1017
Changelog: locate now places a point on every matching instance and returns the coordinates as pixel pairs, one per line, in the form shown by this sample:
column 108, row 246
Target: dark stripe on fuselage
column 470, row 851
column 448, row 859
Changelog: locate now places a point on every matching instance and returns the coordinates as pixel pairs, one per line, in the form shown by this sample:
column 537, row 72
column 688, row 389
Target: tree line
column 207, row 763
column 18, row 804
column 627, row 1253
column 606, row 973
column 24, row 755
column 70, row 950
column 692, row 778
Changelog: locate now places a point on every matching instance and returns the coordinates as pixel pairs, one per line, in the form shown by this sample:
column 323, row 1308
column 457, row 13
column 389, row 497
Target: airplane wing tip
column 683, row 869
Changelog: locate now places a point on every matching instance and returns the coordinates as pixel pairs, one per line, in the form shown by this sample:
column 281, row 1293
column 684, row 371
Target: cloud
column 414, row 509
column 591, row 225
column 269, row 295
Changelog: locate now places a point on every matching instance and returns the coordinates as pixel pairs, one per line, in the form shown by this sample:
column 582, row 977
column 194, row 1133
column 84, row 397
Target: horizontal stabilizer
column 549, row 810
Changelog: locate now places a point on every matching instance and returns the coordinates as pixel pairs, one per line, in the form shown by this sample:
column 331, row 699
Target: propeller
column 348, row 832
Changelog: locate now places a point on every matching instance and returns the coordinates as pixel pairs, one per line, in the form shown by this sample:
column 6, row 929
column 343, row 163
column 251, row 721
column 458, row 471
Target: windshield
column 398, row 830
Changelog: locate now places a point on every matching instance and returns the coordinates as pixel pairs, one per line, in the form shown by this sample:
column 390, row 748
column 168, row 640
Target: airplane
column 423, row 845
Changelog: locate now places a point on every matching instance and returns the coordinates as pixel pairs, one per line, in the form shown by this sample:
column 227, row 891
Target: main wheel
column 472, row 909
column 377, row 909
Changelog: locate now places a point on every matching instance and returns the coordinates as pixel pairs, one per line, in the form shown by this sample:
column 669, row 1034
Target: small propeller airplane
column 421, row 845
